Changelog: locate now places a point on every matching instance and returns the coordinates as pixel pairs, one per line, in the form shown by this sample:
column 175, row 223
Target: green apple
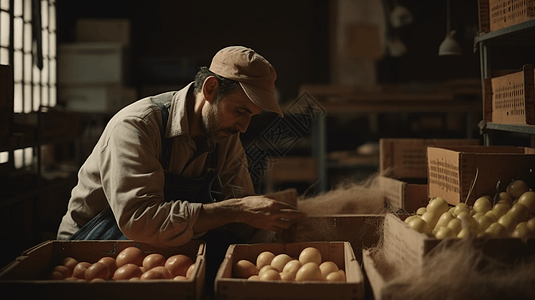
column 438, row 205
column 508, row 221
column 419, row 225
column 468, row 221
column 519, row 212
column 521, row 231
column 444, row 219
column 531, row 224
column 503, row 196
column 501, row 209
column 496, row 230
column 491, row 215
column 484, row 223
column 409, row 218
column 463, row 233
column 482, row 204
column 528, row 200
column 516, row 188
column 444, row 232
column 477, row 215
column 420, row 211
column 431, row 218
column 461, row 207
column 455, row 225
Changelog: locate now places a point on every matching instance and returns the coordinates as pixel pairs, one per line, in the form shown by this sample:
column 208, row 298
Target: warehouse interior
column 351, row 76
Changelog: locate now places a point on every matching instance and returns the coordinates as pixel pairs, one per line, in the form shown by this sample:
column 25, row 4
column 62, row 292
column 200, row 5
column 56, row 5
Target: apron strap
column 164, row 102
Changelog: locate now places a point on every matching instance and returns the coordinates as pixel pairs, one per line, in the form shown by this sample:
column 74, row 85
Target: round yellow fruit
column 521, row 231
column 528, row 200
column 444, row 220
column 519, row 212
column 292, row 267
column 500, row 209
column 339, row 275
column 531, row 224
column 327, row 268
column 280, row 261
column 483, row 204
column 463, row 233
column 438, row 205
column 496, row 230
column 444, row 232
column 516, row 188
column 264, row 259
column 409, row 218
column 467, row 221
column 455, row 225
column 484, row 223
column 491, row 215
column 508, row 221
column 461, row 207
column 310, row 254
column 420, row 211
column 431, row 218
column 309, row 272
column 419, row 225
column 505, row 197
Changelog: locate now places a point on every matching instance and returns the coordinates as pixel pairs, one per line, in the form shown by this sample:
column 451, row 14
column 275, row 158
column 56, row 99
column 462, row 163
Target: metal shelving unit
column 507, row 40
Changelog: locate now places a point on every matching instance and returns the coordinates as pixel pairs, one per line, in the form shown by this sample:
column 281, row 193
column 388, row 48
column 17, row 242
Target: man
column 149, row 176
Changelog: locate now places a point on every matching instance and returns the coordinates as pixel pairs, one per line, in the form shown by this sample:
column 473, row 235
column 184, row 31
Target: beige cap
column 254, row 73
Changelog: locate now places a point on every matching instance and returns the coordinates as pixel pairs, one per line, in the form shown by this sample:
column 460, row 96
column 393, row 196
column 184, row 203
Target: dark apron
column 104, row 226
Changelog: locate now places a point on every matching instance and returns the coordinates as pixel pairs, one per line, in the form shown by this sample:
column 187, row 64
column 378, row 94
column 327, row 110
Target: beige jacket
column 124, row 171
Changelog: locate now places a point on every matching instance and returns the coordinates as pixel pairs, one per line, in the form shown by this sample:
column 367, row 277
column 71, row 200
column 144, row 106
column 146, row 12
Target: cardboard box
column 403, row 167
column 463, row 174
column 102, row 98
column 25, row 277
column 402, row 195
column 91, row 63
column 407, row 158
column 505, row 13
column 513, row 97
column 103, row 30
column 405, row 247
column 340, row 253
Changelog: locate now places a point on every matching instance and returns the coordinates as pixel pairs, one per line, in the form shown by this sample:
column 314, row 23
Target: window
column 28, row 43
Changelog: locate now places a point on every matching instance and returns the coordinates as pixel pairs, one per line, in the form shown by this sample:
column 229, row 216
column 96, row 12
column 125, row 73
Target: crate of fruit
column 499, row 225
column 105, row 270
column 307, row 270
column 460, row 174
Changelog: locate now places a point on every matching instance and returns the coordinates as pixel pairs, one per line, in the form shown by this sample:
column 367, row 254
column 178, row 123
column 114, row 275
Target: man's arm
column 256, row 211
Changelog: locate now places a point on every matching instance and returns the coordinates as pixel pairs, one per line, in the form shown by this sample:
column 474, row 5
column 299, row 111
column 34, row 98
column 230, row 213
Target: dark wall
column 423, row 37
column 167, row 35
column 294, row 35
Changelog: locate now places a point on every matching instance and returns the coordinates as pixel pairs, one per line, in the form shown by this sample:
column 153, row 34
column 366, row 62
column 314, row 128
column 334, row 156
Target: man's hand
column 257, row 211
column 268, row 214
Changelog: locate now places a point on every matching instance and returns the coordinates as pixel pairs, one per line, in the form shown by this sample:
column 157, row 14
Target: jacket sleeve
column 133, row 181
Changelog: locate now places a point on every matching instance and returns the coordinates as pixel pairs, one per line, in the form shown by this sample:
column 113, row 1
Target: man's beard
column 212, row 126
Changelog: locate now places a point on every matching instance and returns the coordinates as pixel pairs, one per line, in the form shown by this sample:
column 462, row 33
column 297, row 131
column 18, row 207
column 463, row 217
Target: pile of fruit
column 308, row 266
column 130, row 264
column 508, row 214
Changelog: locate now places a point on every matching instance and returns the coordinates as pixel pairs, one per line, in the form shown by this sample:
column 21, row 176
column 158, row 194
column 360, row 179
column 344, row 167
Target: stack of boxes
column 93, row 72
